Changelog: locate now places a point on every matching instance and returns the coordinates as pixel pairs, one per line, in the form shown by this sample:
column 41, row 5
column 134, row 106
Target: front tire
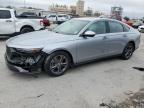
column 57, row 63
column 128, row 51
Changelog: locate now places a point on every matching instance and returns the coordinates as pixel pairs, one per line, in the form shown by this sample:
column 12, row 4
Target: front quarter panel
column 69, row 46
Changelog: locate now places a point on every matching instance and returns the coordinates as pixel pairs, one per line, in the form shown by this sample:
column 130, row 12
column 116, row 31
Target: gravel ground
column 85, row 86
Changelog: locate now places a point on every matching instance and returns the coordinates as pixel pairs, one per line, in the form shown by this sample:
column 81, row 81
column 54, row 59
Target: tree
column 126, row 18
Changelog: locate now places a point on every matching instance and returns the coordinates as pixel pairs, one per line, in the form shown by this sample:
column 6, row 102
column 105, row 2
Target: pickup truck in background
column 11, row 24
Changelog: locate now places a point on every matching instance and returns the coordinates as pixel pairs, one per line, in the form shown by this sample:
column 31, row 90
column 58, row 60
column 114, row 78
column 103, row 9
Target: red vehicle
column 127, row 21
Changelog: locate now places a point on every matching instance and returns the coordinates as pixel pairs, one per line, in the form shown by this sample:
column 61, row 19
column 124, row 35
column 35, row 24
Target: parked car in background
column 141, row 28
column 58, row 18
column 76, row 41
column 136, row 24
column 11, row 24
column 127, row 21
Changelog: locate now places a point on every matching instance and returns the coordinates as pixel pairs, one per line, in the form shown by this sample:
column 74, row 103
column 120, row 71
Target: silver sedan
column 75, row 41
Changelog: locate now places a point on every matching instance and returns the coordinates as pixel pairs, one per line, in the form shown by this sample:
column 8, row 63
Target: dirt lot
column 86, row 86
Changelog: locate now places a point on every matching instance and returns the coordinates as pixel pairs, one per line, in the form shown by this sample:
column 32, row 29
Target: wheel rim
column 129, row 51
column 58, row 64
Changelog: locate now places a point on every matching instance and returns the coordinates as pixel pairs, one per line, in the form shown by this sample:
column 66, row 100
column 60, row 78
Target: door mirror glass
column 89, row 34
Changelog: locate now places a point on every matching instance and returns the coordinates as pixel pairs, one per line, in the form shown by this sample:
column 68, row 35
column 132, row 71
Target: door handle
column 8, row 20
column 104, row 38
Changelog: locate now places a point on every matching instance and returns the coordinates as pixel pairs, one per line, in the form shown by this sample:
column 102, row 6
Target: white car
column 58, row 18
column 141, row 28
column 12, row 24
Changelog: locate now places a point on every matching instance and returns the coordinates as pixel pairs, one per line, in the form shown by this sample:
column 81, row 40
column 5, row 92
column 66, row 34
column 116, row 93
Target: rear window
column 5, row 14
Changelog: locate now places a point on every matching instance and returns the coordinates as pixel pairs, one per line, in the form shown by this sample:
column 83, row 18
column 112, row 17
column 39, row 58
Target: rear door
column 7, row 25
column 116, row 39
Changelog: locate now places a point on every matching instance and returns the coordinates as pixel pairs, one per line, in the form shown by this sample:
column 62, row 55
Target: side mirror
column 89, row 34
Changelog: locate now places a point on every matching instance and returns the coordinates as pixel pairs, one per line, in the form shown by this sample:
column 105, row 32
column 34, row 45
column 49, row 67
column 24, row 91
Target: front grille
column 20, row 58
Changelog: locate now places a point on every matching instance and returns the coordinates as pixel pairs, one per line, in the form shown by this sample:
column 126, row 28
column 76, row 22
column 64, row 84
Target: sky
column 132, row 8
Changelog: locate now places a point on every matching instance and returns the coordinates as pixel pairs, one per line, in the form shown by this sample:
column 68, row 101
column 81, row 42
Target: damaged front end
column 24, row 61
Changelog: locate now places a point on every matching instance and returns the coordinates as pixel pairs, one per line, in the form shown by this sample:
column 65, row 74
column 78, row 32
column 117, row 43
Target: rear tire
column 128, row 51
column 26, row 30
column 57, row 63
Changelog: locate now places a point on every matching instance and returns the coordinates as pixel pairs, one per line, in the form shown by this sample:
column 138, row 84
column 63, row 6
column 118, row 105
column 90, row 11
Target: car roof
column 91, row 19
column 88, row 18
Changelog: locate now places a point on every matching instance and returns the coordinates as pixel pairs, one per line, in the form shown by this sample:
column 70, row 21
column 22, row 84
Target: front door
column 92, row 47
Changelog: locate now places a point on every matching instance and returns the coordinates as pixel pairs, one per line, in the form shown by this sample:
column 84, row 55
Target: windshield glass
column 71, row 27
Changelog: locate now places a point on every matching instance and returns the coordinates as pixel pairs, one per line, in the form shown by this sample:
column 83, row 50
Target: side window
column 5, row 14
column 126, row 28
column 115, row 27
column 98, row 27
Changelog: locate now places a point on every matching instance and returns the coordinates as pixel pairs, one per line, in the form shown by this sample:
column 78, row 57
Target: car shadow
column 93, row 63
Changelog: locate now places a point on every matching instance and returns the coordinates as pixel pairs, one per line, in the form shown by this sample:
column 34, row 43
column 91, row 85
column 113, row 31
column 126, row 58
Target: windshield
column 71, row 27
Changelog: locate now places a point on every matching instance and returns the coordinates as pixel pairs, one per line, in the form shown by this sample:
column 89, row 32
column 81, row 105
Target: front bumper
column 21, row 65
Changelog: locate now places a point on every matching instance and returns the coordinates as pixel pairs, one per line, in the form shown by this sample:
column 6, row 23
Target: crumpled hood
column 38, row 39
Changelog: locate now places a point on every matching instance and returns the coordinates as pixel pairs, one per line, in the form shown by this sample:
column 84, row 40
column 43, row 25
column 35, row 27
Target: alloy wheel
column 58, row 64
column 128, row 51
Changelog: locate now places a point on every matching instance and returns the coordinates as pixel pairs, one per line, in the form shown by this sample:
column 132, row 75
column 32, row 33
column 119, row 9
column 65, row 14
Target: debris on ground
column 128, row 93
column 134, row 101
column 38, row 96
column 139, row 68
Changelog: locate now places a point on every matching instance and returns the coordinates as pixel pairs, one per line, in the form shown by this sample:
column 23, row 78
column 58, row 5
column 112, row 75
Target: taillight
column 41, row 22
column 45, row 22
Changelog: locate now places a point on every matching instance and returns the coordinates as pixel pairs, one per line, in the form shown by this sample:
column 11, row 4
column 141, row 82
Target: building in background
column 59, row 9
column 80, row 8
column 100, row 14
column 116, row 12
column 73, row 10
column 89, row 12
